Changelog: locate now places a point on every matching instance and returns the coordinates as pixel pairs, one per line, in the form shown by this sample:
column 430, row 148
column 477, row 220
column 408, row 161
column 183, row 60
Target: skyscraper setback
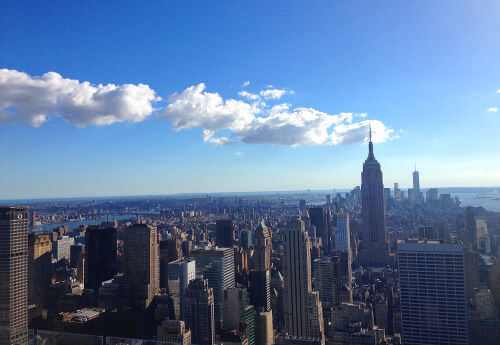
column 13, row 273
column 374, row 248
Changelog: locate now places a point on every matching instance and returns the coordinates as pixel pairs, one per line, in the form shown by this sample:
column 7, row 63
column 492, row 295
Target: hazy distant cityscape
column 250, row 172
column 299, row 267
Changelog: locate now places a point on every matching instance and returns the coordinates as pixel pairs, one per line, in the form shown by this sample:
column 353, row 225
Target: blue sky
column 426, row 72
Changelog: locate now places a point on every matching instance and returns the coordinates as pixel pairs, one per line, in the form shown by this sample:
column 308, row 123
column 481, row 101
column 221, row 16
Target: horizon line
column 305, row 191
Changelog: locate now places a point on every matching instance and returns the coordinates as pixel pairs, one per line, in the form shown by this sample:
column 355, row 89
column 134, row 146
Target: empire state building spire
column 371, row 156
column 374, row 249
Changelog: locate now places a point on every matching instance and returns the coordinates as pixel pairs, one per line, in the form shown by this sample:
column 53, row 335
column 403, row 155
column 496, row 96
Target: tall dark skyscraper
column 141, row 264
column 198, row 312
column 100, row 256
column 374, row 248
column 13, row 273
column 319, row 218
column 224, row 233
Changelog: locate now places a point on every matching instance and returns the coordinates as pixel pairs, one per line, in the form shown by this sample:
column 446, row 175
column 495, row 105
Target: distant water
column 490, row 202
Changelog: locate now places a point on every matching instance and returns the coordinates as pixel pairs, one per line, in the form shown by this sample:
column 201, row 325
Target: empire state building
column 374, row 248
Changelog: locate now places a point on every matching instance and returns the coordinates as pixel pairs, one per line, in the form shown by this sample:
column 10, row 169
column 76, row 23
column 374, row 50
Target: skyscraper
column 318, row 216
column 262, row 248
column 62, row 247
column 217, row 266
column 198, row 312
column 416, row 182
column 140, row 266
column 433, row 303
column 170, row 250
column 180, row 273
column 224, row 233
column 326, row 281
column 14, row 224
column 100, row 256
column 343, row 232
column 260, row 275
column 239, row 314
column 374, row 248
column 302, row 308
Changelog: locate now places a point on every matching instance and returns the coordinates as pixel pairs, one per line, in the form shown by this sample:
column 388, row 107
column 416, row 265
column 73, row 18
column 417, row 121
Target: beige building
column 174, row 331
column 302, row 307
column 264, row 333
column 141, row 264
column 39, row 266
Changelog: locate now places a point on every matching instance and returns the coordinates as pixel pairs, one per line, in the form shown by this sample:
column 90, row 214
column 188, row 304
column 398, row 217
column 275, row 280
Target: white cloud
column 254, row 123
column 498, row 90
column 245, row 83
column 239, row 153
column 272, row 93
column 195, row 108
column 32, row 100
column 28, row 99
column 249, row 95
column 493, row 109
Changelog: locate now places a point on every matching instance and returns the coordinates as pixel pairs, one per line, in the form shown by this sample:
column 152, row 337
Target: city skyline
column 344, row 68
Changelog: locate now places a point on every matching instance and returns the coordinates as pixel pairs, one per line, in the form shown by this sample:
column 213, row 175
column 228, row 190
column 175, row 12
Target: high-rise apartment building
column 433, row 302
column 224, row 233
column 14, row 224
column 217, row 266
column 302, row 308
column 39, row 266
column 374, row 248
column 180, row 273
column 140, row 264
column 198, row 312
column 100, row 256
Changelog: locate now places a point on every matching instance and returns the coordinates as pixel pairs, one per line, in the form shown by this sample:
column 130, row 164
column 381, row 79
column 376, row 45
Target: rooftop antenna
column 370, row 125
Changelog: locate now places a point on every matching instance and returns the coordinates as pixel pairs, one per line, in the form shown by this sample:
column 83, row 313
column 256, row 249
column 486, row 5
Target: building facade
column 100, row 256
column 217, row 266
column 433, row 300
column 198, row 312
column 14, row 224
column 140, row 264
column 180, row 273
column 302, row 308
